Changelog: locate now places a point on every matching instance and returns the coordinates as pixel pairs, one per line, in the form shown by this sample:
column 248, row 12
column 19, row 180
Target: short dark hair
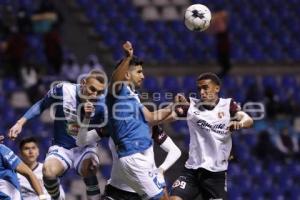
column 28, row 140
column 99, row 75
column 211, row 76
column 135, row 61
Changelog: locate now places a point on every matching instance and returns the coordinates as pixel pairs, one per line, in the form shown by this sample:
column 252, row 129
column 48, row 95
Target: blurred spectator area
column 156, row 28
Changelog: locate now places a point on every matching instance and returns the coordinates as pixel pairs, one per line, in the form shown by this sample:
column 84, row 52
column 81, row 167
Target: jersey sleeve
column 234, row 108
column 53, row 95
column 158, row 135
column 9, row 157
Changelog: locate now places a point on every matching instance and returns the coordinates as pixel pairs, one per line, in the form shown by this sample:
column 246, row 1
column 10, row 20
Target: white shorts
column 7, row 190
column 73, row 157
column 140, row 173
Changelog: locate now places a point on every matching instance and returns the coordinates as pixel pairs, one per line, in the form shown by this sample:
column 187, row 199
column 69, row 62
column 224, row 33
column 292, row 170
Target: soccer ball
column 197, row 17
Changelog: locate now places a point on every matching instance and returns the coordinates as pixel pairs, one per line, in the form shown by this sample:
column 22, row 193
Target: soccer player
column 9, row 184
column 29, row 151
column 117, row 188
column 71, row 103
column 210, row 120
column 129, row 123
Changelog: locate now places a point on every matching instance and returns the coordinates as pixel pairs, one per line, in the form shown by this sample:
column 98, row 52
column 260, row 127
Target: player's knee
column 89, row 167
column 49, row 171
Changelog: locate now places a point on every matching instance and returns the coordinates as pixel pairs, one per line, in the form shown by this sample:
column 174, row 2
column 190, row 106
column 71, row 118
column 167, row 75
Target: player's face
column 137, row 76
column 30, row 152
column 92, row 88
column 208, row 90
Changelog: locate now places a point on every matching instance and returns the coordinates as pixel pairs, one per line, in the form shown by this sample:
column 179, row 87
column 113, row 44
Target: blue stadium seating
column 249, row 43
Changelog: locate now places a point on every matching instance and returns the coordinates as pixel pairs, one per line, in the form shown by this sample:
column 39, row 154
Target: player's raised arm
column 34, row 182
column 122, row 68
column 35, row 110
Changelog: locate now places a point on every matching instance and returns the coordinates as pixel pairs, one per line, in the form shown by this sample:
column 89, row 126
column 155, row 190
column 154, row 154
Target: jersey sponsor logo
column 217, row 128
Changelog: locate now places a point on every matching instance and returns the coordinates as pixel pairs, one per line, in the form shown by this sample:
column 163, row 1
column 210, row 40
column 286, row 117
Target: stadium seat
column 170, row 13
column 150, row 13
column 9, row 84
column 151, row 84
column 171, row 83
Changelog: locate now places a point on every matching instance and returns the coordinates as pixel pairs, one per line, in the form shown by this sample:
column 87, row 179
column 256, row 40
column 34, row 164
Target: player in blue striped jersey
column 71, row 104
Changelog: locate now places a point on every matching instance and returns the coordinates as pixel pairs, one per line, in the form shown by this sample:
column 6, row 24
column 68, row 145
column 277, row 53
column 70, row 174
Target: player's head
column 29, row 150
column 135, row 74
column 208, row 85
column 93, row 85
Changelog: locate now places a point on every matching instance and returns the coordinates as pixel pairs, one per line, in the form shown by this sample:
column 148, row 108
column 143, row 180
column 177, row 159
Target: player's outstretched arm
column 119, row 73
column 243, row 120
column 35, row 184
column 158, row 116
column 34, row 111
column 167, row 114
column 180, row 108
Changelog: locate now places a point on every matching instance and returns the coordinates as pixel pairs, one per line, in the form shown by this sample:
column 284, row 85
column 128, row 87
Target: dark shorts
column 113, row 193
column 191, row 183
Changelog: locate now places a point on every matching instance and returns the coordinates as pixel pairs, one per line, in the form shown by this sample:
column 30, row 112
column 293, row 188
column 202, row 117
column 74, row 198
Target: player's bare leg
column 88, row 171
column 52, row 169
column 165, row 195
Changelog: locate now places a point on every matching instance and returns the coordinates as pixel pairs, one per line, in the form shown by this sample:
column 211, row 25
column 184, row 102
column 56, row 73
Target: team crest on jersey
column 221, row 115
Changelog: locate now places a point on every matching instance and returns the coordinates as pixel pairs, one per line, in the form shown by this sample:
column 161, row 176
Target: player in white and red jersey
column 29, row 153
column 210, row 120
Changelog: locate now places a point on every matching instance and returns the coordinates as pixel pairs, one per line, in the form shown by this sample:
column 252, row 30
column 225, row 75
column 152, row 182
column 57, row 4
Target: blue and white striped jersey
column 64, row 102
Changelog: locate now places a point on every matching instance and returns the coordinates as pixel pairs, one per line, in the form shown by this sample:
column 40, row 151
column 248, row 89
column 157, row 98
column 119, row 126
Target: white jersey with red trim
column 210, row 141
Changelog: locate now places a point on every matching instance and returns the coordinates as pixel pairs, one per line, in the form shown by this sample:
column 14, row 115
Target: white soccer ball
column 197, row 17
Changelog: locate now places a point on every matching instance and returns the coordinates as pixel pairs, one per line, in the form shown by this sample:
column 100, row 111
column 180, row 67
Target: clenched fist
column 127, row 47
column 88, row 109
